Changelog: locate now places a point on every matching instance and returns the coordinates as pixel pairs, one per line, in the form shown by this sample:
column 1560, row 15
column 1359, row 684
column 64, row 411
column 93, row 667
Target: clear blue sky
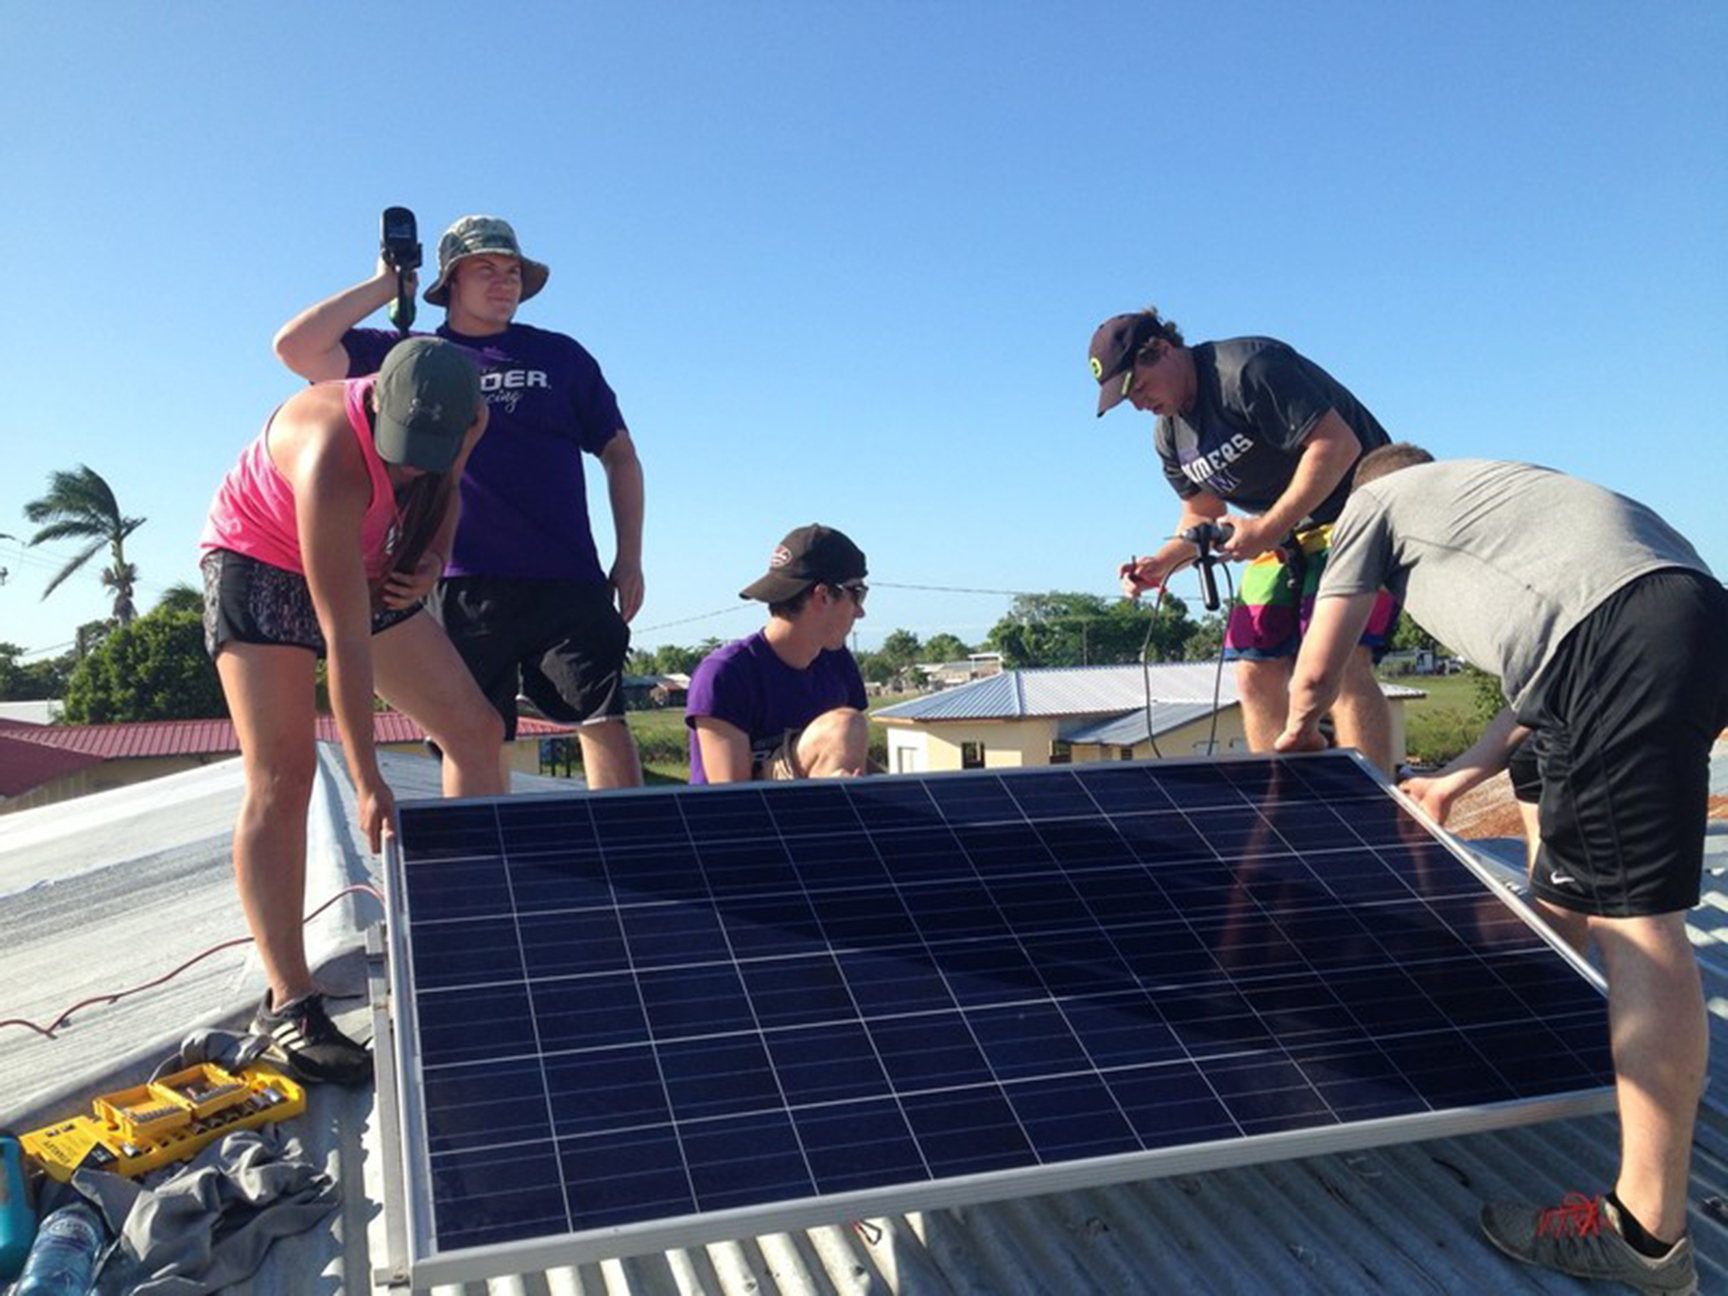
column 840, row 261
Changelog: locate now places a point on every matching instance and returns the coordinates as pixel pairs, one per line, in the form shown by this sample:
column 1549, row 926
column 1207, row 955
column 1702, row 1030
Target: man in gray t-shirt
column 1607, row 631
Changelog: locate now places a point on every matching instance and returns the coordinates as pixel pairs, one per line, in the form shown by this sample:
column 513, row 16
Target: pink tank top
column 253, row 512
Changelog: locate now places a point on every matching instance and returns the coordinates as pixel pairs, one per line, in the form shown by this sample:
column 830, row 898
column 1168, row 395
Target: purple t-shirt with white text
column 747, row 685
column 524, row 496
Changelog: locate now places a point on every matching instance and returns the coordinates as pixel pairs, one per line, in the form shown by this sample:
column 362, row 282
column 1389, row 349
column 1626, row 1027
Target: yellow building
column 1071, row 715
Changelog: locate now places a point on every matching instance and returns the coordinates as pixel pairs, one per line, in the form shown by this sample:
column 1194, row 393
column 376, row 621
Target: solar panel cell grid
column 633, row 1008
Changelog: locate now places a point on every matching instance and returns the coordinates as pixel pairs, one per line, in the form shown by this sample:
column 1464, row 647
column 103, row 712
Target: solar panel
column 629, row 1021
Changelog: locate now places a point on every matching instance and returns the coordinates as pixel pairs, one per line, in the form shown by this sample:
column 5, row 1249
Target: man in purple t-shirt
column 788, row 702
column 523, row 596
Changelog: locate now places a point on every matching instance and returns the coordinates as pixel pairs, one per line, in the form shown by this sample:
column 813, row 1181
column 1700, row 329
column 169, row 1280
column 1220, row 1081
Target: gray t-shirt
column 1498, row 561
column 1255, row 402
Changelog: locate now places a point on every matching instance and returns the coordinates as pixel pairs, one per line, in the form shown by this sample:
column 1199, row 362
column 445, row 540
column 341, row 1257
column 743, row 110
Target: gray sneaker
column 1581, row 1237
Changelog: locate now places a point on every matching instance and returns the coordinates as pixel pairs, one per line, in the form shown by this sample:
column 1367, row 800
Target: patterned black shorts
column 247, row 601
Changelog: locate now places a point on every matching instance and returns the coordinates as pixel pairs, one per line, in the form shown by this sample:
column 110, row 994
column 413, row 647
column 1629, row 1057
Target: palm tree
column 79, row 505
column 180, row 597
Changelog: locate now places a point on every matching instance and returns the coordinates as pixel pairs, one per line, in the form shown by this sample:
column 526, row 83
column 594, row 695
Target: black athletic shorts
column 1625, row 715
column 248, row 601
column 562, row 643
column 1526, row 771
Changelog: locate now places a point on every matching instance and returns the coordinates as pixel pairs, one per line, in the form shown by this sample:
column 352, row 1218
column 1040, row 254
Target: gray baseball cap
column 426, row 396
column 477, row 236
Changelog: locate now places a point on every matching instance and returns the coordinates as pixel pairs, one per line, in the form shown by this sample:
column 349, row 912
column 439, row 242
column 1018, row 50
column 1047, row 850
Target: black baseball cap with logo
column 811, row 555
column 425, row 398
column 1114, row 345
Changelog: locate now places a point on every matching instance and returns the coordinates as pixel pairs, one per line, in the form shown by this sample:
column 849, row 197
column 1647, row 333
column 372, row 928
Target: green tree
column 1486, row 691
column 87, row 638
column 944, row 648
column 875, row 668
column 41, row 680
column 81, row 506
column 675, row 659
column 180, row 597
column 153, row 669
column 1207, row 641
column 9, row 670
column 1067, row 629
column 900, row 648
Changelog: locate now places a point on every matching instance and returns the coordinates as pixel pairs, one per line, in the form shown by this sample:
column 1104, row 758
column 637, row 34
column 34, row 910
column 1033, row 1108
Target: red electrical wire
column 61, row 1020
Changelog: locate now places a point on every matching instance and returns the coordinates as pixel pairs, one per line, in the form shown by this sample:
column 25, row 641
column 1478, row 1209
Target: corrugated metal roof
column 1131, row 729
column 1395, row 1219
column 28, row 765
column 216, row 737
column 1046, row 692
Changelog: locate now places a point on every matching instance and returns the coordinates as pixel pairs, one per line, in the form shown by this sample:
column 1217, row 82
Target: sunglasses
column 857, row 589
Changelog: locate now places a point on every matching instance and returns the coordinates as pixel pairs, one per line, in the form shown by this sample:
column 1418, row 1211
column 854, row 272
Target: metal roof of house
column 44, row 711
column 216, row 737
column 139, row 879
column 1046, row 692
column 1133, row 728
column 27, row 765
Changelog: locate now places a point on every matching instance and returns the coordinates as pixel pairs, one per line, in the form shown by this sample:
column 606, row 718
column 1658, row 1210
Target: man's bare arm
column 725, row 750
column 1332, row 636
column 1174, row 554
column 1327, row 454
column 311, row 343
column 1487, row 756
column 625, row 489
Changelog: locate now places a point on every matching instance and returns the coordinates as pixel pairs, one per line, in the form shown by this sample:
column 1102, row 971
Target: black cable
column 1146, row 671
column 1218, row 677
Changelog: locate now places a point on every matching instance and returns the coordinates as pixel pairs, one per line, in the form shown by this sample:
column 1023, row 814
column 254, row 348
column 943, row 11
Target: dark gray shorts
column 561, row 643
column 247, row 601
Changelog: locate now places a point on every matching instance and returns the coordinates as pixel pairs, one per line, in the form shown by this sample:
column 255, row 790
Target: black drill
column 399, row 244
column 1206, row 538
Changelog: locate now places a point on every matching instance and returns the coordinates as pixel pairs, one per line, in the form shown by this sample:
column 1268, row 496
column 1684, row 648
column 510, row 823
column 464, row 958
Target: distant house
column 672, row 691
column 40, row 764
column 32, row 773
column 43, row 712
column 643, row 691
column 952, row 674
column 1064, row 715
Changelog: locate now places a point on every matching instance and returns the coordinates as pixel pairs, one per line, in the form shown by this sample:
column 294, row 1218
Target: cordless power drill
column 399, row 244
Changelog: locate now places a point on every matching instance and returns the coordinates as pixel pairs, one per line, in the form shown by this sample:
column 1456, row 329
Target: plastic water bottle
column 63, row 1261
column 17, row 1220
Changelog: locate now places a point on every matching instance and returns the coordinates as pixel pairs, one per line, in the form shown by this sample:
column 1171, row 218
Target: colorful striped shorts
column 1276, row 602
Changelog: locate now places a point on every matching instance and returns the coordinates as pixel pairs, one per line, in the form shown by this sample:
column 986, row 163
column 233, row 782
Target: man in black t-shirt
column 1251, row 422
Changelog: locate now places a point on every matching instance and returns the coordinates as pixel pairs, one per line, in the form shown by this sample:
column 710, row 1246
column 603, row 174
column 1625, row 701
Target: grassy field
column 1445, row 722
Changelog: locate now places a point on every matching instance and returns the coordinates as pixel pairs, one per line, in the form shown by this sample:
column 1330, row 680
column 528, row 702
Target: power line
column 700, row 616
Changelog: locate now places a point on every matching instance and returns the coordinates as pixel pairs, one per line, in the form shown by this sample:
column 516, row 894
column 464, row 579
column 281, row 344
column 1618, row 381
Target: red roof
column 217, row 737
column 28, row 765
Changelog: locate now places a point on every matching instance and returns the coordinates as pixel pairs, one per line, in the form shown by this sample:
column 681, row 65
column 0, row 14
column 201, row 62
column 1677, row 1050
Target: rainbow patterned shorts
column 1276, row 602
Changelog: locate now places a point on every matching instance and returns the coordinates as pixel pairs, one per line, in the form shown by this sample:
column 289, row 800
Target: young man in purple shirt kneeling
column 788, row 702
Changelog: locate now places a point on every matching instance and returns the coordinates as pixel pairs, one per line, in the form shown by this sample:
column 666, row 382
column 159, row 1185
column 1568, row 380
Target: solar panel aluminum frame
column 406, row 1140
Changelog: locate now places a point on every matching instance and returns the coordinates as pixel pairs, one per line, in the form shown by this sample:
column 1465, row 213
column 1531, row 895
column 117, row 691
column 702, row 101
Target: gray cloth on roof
column 211, row 1223
column 225, row 1049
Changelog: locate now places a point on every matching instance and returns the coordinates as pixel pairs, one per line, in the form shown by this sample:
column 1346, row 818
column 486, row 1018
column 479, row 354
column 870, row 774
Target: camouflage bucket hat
column 476, row 236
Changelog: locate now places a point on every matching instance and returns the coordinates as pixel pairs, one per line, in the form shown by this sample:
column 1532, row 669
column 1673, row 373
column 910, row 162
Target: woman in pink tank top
column 321, row 542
